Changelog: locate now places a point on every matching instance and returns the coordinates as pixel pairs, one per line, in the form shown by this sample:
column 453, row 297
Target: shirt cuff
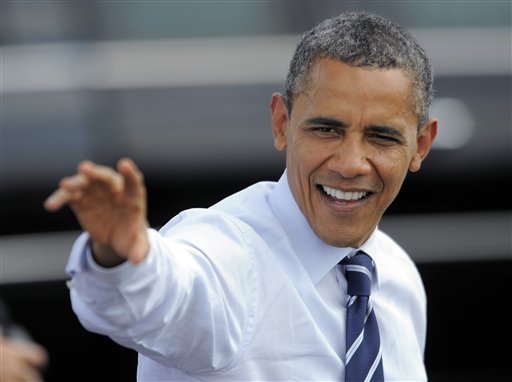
column 81, row 260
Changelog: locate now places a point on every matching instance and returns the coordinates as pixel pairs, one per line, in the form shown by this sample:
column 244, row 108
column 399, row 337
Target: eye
column 384, row 139
column 385, row 135
column 325, row 130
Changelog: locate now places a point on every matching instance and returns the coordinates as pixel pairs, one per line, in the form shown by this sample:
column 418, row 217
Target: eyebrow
column 388, row 130
column 334, row 122
column 326, row 121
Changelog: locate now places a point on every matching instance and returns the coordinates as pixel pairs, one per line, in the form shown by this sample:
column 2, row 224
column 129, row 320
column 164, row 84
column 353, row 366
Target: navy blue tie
column 363, row 359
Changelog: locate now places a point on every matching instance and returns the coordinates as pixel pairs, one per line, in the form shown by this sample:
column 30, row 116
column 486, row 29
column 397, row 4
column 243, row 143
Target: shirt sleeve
column 189, row 305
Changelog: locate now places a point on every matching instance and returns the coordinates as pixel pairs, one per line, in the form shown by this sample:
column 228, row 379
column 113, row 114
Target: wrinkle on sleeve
column 189, row 305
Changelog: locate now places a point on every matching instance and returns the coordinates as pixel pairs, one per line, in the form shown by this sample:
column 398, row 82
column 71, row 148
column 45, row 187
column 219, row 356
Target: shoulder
column 398, row 274
column 230, row 229
column 203, row 224
column 395, row 264
column 246, row 212
column 385, row 244
column 251, row 201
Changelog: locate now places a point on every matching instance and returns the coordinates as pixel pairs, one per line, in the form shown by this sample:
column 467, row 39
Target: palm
column 110, row 205
column 112, row 219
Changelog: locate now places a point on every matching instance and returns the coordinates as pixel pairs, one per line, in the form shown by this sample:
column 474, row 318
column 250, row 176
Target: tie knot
column 358, row 271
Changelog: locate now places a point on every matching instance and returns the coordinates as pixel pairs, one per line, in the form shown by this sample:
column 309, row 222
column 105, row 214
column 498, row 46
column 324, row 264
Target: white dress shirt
column 245, row 291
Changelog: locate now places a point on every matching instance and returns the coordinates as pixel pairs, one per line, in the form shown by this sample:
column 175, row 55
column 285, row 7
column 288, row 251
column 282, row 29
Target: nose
column 350, row 158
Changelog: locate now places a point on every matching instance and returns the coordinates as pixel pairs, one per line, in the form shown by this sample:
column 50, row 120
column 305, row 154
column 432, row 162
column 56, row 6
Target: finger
column 24, row 372
column 34, row 354
column 56, row 200
column 133, row 178
column 102, row 174
column 75, row 182
column 20, row 361
column 70, row 190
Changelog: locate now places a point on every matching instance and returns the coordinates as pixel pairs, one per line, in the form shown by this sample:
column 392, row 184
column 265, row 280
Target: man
column 255, row 287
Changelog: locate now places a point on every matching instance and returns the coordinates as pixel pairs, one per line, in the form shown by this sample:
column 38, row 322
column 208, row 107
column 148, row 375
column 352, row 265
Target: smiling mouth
column 344, row 196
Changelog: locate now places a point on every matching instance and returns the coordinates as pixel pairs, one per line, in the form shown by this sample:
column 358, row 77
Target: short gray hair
column 363, row 39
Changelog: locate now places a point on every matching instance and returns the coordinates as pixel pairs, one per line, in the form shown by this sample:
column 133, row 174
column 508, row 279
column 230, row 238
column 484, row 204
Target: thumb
column 133, row 178
column 140, row 248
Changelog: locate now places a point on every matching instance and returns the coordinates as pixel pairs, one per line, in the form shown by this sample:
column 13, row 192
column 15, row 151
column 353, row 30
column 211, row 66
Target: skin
column 110, row 205
column 351, row 129
column 21, row 361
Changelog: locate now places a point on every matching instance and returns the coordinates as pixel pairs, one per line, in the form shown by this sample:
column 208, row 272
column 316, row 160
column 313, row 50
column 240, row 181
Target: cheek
column 305, row 156
column 392, row 170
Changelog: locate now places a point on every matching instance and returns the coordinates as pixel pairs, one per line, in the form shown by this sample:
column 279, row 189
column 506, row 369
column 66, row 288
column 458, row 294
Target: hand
column 21, row 361
column 111, row 206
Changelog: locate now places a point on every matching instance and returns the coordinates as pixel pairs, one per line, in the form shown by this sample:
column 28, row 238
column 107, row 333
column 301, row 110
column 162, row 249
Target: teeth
column 342, row 195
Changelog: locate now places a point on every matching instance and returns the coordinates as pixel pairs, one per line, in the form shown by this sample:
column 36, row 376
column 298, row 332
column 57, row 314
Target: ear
column 426, row 137
column 280, row 121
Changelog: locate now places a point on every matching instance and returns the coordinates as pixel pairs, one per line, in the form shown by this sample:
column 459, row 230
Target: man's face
column 350, row 140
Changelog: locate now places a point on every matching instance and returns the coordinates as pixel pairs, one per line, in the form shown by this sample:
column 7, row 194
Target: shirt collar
column 370, row 248
column 317, row 257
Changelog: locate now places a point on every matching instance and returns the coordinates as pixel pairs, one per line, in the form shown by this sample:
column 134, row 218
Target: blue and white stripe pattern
column 363, row 359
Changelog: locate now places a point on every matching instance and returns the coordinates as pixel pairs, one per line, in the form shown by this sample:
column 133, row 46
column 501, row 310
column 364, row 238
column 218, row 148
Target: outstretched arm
column 111, row 206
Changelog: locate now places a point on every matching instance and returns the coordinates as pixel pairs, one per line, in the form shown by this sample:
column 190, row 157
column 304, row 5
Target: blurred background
column 183, row 88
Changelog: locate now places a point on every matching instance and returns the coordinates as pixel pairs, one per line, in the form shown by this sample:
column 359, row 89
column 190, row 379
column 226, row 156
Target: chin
column 339, row 240
column 344, row 237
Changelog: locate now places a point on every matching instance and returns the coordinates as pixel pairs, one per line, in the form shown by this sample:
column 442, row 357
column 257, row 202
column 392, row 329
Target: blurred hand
column 21, row 360
column 111, row 206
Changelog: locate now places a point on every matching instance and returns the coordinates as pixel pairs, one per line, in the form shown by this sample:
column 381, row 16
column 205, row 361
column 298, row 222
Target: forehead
column 329, row 73
column 331, row 81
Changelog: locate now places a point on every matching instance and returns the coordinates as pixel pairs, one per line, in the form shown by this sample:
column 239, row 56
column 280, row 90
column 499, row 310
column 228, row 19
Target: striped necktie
column 363, row 359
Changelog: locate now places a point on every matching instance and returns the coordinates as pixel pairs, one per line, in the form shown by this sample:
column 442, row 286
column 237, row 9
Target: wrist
column 105, row 256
